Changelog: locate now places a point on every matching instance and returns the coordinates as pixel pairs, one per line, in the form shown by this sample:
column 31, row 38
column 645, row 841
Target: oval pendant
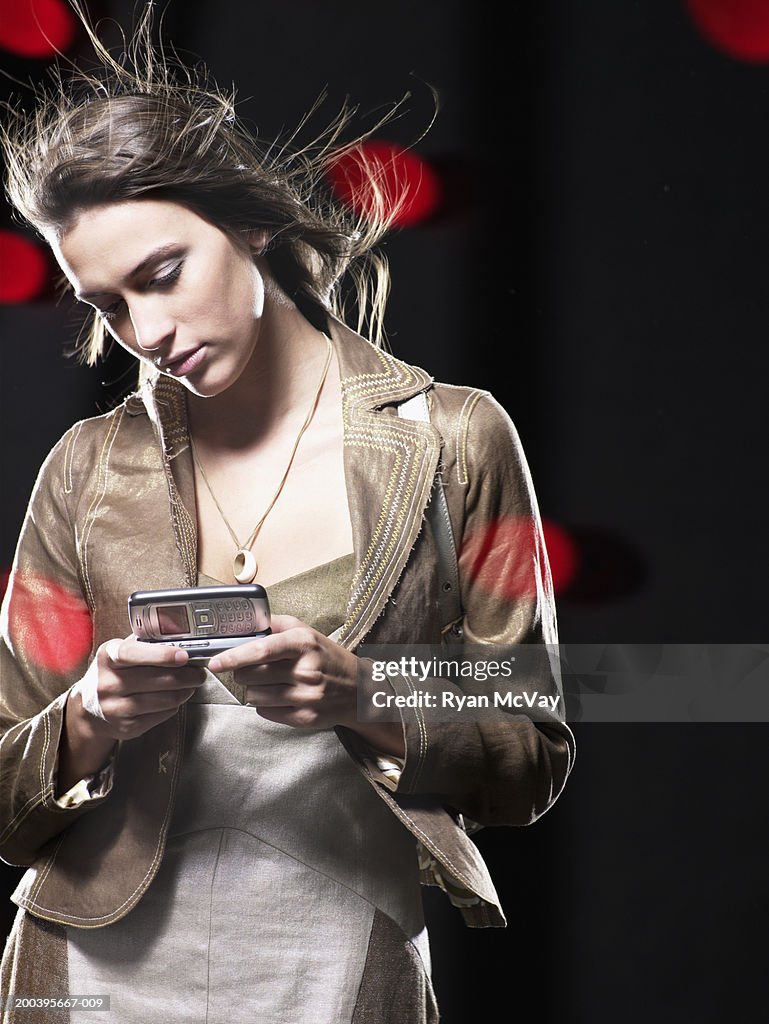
column 244, row 566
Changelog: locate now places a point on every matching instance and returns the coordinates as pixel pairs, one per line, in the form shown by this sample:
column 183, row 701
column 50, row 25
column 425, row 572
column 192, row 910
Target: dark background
column 600, row 266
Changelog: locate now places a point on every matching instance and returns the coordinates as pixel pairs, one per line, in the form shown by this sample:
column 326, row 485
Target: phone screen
column 173, row 620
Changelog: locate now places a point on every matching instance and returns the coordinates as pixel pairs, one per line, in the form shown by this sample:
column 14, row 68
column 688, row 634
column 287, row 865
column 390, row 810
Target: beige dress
column 288, row 892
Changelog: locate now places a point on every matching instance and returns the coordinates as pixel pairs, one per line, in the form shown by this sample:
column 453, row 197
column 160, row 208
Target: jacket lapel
column 390, row 465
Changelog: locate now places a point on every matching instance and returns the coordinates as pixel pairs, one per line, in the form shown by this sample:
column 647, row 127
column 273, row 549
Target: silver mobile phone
column 202, row 620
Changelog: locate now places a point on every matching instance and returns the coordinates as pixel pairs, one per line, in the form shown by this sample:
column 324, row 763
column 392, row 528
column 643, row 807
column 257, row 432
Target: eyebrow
column 159, row 253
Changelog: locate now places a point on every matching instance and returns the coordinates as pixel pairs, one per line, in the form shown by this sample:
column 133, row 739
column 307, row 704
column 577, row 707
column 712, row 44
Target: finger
column 130, row 651
column 280, row 623
column 251, row 653
column 139, row 705
column 288, row 645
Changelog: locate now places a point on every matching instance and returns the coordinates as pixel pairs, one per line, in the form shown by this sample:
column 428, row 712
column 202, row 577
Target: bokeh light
column 48, row 625
column 499, row 557
column 563, row 554
column 24, row 268
column 738, row 28
column 589, row 564
column 381, row 177
column 36, row 28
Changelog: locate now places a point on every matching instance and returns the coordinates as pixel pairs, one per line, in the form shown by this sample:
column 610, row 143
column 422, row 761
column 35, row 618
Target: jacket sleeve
column 45, row 643
column 505, row 768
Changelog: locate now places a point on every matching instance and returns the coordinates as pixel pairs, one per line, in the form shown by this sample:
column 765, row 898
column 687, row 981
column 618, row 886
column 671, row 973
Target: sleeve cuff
column 92, row 787
column 385, row 768
column 433, row 874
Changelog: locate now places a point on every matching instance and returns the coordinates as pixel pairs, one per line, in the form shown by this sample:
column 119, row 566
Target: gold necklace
column 244, row 566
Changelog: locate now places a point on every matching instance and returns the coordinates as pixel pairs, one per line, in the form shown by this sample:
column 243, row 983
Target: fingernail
column 180, row 656
column 214, row 664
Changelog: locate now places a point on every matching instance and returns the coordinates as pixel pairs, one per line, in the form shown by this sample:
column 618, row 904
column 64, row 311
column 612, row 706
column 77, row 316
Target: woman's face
column 172, row 288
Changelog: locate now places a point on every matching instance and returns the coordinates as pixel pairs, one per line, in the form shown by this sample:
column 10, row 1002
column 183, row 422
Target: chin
column 201, row 390
column 206, row 388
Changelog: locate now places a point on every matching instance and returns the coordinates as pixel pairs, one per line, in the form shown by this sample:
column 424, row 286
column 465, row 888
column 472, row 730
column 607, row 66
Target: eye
column 161, row 281
column 166, row 279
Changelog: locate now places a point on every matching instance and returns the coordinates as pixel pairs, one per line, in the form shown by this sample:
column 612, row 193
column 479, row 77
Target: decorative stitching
column 184, row 529
column 423, row 740
column 378, row 567
column 463, row 427
column 398, row 375
column 69, row 456
column 396, row 380
column 21, row 814
column 46, row 738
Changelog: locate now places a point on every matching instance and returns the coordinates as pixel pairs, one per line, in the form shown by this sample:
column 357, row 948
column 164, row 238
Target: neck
column 274, row 387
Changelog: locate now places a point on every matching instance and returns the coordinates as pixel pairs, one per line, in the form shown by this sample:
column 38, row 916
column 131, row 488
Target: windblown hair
column 144, row 124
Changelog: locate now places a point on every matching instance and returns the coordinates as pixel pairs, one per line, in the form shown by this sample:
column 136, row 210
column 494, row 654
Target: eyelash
column 157, row 282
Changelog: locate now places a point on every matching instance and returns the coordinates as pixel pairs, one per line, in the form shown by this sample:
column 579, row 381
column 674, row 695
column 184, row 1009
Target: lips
column 181, row 365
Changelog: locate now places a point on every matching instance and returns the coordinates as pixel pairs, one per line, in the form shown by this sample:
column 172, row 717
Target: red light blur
column 36, row 28
column 48, row 625
column 383, row 174
column 739, row 28
column 500, row 557
column 24, row 269
column 563, row 554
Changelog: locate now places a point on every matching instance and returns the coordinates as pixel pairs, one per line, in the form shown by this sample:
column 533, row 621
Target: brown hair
column 144, row 125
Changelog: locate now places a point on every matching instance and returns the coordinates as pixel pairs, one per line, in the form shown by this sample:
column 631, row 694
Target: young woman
column 236, row 842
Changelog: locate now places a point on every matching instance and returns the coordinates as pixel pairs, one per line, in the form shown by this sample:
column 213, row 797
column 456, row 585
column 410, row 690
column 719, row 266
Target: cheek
column 244, row 293
column 121, row 330
column 228, row 300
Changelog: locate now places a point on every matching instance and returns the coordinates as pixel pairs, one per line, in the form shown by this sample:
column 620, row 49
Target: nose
column 152, row 324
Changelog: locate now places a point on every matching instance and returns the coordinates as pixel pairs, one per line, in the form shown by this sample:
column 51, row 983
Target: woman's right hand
column 130, row 687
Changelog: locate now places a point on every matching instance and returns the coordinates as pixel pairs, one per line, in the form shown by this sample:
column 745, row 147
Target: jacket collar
column 390, row 465
column 371, row 377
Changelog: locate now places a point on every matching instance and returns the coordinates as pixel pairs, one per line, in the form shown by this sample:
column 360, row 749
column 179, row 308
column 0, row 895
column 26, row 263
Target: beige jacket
column 113, row 511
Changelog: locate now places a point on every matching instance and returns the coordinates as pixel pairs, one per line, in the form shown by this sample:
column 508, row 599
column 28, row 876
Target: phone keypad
column 229, row 617
column 205, row 621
